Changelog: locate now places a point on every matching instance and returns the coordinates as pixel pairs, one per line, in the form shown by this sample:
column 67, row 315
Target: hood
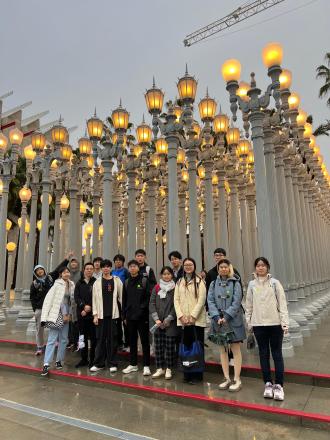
column 268, row 277
column 74, row 270
column 39, row 266
column 233, row 278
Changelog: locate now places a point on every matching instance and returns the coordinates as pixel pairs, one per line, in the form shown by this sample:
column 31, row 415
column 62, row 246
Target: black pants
column 270, row 336
column 73, row 333
column 106, row 347
column 142, row 328
column 87, row 328
column 122, row 331
column 188, row 339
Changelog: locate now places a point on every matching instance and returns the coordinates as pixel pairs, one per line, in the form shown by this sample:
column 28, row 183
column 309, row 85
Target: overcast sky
column 69, row 56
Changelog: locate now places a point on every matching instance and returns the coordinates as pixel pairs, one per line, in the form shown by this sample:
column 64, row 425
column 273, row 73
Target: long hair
column 193, row 275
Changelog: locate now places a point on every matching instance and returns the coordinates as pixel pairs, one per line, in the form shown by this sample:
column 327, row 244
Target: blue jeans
column 61, row 336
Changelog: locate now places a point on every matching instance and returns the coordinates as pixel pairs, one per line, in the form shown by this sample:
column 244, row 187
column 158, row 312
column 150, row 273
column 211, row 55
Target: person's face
column 188, row 266
column 88, row 271
column 74, row 264
column 224, row 270
column 40, row 272
column 106, row 270
column 133, row 269
column 166, row 276
column 261, row 269
column 118, row 264
column 176, row 262
column 218, row 257
column 97, row 265
column 140, row 258
column 65, row 275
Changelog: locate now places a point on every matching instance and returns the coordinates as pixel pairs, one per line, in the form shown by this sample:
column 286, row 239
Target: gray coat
column 163, row 308
column 226, row 296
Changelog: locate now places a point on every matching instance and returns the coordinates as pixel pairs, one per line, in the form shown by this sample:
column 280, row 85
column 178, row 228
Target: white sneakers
column 168, row 374
column 94, row 368
column 130, row 369
column 113, row 369
column 225, row 385
column 159, row 372
column 236, row 386
column 275, row 392
column 146, row 371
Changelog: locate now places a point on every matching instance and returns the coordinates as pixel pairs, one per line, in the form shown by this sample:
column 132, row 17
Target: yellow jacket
column 186, row 303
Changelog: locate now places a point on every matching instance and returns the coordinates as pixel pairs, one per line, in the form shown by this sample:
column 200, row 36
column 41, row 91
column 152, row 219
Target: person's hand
column 158, row 322
column 70, row 254
column 42, row 324
column 66, row 318
column 83, row 313
column 285, row 329
column 96, row 320
column 183, row 320
column 166, row 323
column 192, row 320
column 222, row 321
column 87, row 309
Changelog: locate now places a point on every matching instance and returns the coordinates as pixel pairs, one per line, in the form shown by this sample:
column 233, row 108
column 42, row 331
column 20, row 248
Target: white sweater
column 53, row 300
column 98, row 299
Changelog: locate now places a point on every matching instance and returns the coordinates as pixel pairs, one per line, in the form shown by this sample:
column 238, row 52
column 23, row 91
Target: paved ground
column 122, row 412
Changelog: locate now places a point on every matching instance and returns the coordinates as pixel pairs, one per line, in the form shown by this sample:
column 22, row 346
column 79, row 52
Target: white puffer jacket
column 53, row 300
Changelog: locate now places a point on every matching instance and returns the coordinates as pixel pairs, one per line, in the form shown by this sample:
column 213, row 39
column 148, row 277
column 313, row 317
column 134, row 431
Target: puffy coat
column 54, row 298
column 187, row 303
column 226, row 296
column 97, row 308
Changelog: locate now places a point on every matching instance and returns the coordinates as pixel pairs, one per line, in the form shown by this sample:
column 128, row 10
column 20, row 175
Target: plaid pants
column 165, row 349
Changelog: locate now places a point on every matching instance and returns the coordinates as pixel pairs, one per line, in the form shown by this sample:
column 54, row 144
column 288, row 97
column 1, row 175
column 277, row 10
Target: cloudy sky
column 69, row 56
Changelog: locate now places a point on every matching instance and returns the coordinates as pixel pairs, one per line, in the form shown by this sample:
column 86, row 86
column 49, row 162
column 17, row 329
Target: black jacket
column 151, row 276
column 39, row 290
column 136, row 296
column 83, row 296
column 213, row 273
column 179, row 275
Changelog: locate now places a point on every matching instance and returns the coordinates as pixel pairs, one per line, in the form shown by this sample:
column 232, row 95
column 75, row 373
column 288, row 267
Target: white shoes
column 225, row 385
column 159, row 372
column 94, row 368
column 113, row 369
column 146, row 371
column 130, row 369
column 168, row 374
column 278, row 392
column 236, row 386
column 269, row 392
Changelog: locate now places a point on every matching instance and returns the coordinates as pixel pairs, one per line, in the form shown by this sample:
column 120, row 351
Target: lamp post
column 11, row 247
column 64, row 206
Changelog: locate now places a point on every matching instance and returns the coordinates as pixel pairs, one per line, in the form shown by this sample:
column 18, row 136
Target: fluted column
column 115, row 225
column 131, row 174
column 56, row 240
column 159, row 218
column 125, row 228
column 173, row 221
column 235, row 242
column 107, row 209
column 251, row 217
column 3, row 235
column 222, row 207
column 43, row 243
column 183, row 221
column 146, row 222
column 152, row 187
column 209, row 229
column 248, row 268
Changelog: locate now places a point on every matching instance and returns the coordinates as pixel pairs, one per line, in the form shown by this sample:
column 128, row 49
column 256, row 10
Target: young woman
column 189, row 303
column 55, row 315
column 224, row 301
column 267, row 315
column 162, row 314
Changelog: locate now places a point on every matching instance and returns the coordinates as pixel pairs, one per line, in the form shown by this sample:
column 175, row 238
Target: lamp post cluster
column 183, row 185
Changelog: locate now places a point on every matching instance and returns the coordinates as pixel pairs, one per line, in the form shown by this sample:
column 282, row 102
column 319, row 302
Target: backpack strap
column 144, row 282
column 157, row 288
column 126, row 283
column 148, row 270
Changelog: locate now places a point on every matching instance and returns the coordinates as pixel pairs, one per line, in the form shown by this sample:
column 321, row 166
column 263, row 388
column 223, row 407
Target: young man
column 176, row 262
column 107, row 294
column 83, row 298
column 136, row 297
column 219, row 254
column 144, row 268
column 121, row 272
column 40, row 286
column 97, row 267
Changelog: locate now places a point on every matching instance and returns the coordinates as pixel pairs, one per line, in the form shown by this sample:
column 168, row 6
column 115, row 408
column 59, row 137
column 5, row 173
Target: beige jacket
column 186, row 303
column 97, row 306
column 266, row 303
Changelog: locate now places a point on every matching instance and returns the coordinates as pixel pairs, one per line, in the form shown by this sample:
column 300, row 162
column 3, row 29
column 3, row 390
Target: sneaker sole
column 268, row 397
column 235, row 390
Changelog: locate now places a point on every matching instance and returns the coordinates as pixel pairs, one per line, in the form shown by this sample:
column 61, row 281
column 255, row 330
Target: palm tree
column 323, row 72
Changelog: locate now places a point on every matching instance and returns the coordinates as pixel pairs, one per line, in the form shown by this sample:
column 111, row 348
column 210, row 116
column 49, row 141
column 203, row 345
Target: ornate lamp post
column 64, row 206
column 11, row 247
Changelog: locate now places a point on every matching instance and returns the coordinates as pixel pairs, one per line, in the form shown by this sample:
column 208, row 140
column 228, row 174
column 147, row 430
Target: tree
column 323, row 72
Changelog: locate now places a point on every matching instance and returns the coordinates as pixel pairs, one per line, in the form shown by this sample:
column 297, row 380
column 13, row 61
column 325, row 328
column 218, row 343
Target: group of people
column 102, row 309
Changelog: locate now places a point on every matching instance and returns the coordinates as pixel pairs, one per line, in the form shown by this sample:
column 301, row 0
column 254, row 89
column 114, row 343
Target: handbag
column 191, row 359
column 56, row 325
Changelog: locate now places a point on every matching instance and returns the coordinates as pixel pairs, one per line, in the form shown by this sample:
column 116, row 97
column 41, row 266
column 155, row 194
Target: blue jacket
column 121, row 273
column 226, row 297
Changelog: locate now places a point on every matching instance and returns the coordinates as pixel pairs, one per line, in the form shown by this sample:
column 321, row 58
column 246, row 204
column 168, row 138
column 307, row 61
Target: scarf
column 165, row 286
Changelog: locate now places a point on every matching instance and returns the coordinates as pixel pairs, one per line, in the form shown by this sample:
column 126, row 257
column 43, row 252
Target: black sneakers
column 45, row 370
column 58, row 365
column 81, row 363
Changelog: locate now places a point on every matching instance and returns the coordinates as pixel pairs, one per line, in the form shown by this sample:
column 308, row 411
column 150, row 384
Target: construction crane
column 245, row 11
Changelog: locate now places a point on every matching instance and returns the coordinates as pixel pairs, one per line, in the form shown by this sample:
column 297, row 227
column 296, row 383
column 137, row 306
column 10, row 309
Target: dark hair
column 220, row 251
column 169, row 269
column 74, row 259
column 106, row 263
column 264, row 260
column 175, row 254
column 62, row 269
column 225, row 260
column 100, row 259
column 132, row 262
column 119, row 257
column 194, row 275
column 89, row 263
column 140, row 251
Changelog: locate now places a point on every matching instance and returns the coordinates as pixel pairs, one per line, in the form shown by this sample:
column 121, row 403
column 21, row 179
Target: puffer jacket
column 186, row 303
column 52, row 303
column 266, row 303
column 226, row 296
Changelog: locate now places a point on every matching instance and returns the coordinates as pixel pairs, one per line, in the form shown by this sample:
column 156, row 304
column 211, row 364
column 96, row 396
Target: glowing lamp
column 285, row 79
column 89, row 229
column 137, row 150
column 201, row 171
column 221, row 123
column 215, row 179
column 29, row 154
column 143, row 133
column 49, row 199
column 177, row 110
column 39, row 225
column 272, row 55
column 181, row 156
column 242, row 90
column 38, row 142
column 161, row 146
column 15, row 136
column 82, row 207
column 243, row 148
column 11, row 246
column 95, row 128
column 66, row 152
column 3, row 142
column 120, row 118
column 187, row 87
column 65, row 203
column 301, row 118
column 85, row 146
column 162, row 191
column 207, row 108
column 184, row 175
column 8, row 224
column 233, row 136
column 101, row 231
column 60, row 135
column 231, row 70
column 293, row 101
column 196, row 128
column 155, row 160
column 154, row 99
column 25, row 194
column 308, row 130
